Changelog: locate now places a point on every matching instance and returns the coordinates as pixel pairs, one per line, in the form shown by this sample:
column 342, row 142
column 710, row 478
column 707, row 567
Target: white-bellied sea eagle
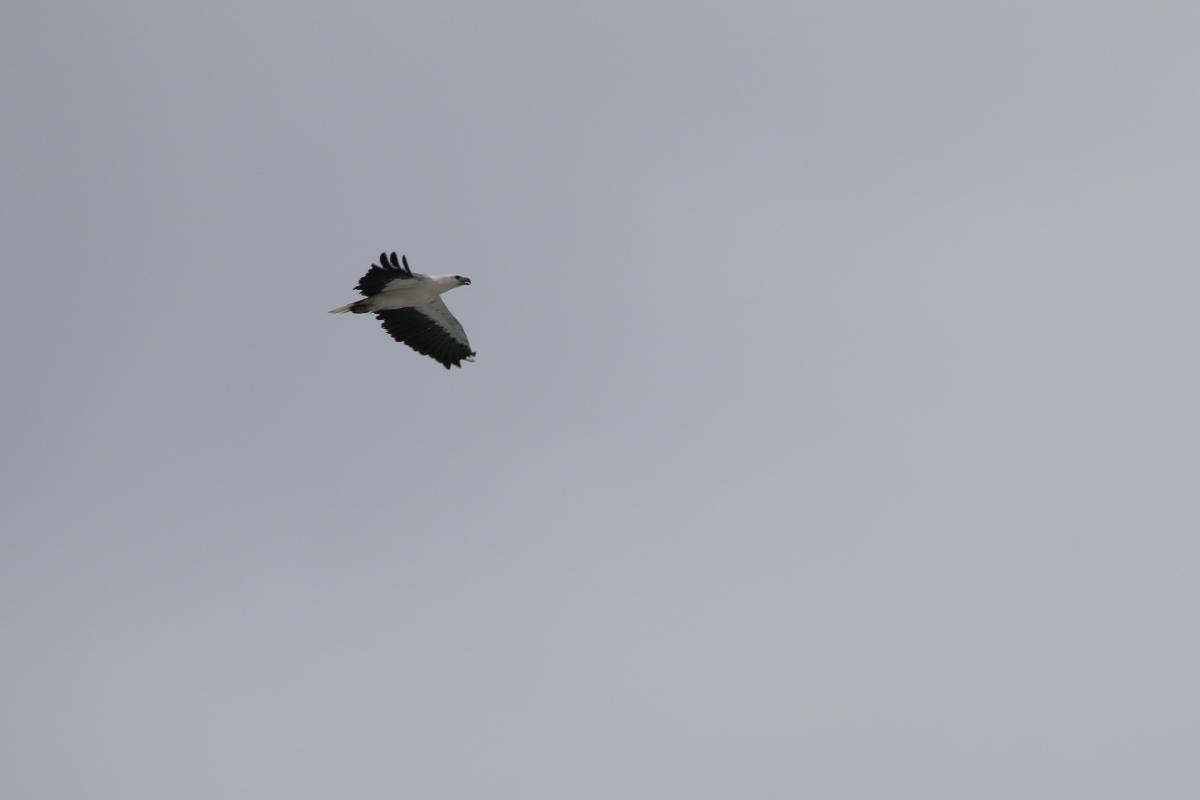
column 410, row 307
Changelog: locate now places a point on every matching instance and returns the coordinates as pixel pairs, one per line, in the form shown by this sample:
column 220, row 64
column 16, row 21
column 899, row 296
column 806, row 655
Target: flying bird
column 410, row 307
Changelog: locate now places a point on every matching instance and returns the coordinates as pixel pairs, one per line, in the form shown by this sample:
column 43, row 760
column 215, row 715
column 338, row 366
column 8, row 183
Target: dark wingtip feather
column 407, row 268
column 411, row 327
column 380, row 275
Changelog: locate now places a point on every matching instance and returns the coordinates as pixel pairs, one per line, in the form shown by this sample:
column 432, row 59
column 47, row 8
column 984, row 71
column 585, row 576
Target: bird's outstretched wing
column 431, row 330
column 381, row 276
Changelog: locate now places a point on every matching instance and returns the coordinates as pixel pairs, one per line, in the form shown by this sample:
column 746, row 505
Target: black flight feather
column 383, row 273
column 410, row 326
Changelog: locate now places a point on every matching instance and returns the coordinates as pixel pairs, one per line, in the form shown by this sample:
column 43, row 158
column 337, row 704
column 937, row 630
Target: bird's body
column 420, row 290
column 410, row 307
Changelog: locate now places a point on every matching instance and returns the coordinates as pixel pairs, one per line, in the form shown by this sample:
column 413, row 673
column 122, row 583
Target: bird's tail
column 360, row 307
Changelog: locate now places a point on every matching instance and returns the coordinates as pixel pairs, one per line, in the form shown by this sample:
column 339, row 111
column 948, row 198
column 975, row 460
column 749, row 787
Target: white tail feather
column 340, row 309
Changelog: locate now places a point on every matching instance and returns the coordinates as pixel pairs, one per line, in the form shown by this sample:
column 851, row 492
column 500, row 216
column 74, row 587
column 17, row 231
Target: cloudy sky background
column 833, row 431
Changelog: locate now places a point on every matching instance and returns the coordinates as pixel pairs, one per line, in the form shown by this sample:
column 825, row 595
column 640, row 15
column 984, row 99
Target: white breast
column 413, row 293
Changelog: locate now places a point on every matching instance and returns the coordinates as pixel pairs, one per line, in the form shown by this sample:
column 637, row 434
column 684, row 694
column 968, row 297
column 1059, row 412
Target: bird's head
column 462, row 280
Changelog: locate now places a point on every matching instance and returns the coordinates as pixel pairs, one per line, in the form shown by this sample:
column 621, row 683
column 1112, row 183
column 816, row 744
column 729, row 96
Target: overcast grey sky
column 833, row 432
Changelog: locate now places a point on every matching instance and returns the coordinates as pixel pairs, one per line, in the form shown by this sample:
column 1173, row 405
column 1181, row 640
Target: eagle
column 410, row 307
